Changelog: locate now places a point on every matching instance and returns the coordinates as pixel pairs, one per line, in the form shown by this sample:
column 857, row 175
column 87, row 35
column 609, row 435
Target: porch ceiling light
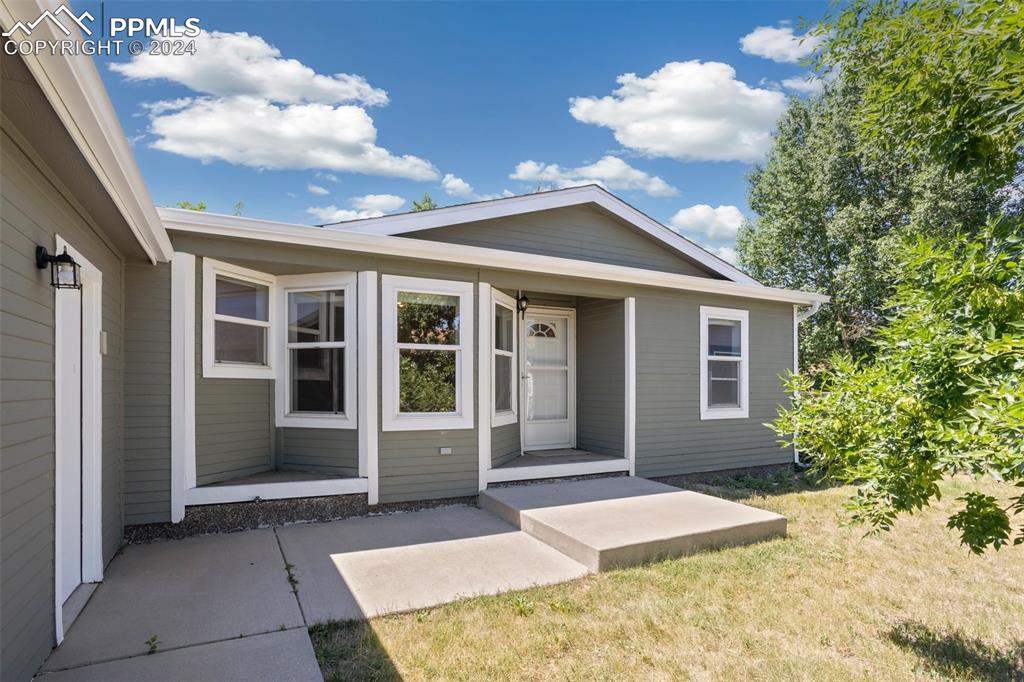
column 64, row 271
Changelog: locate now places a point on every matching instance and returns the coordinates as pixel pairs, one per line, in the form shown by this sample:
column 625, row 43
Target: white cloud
column 366, row 206
column 333, row 214
column 610, row 172
column 726, row 253
column 687, row 110
column 253, row 132
column 330, row 177
column 317, row 189
column 259, row 109
column 378, row 202
column 455, row 186
column 807, row 84
column 722, row 222
column 779, row 44
column 232, row 64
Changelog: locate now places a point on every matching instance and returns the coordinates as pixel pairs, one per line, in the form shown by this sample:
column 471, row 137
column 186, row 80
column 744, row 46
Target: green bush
column 942, row 394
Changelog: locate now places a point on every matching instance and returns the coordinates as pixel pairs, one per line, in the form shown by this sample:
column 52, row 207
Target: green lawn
column 826, row 603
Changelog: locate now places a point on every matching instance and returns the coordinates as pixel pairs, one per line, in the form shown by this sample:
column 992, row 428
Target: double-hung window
column 504, row 370
column 316, row 387
column 427, row 363
column 724, row 363
column 237, row 322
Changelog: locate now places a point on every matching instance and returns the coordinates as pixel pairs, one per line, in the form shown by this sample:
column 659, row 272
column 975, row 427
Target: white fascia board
column 212, row 224
column 74, row 89
column 392, row 225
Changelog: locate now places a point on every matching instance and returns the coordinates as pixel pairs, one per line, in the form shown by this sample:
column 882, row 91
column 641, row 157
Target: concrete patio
column 223, row 606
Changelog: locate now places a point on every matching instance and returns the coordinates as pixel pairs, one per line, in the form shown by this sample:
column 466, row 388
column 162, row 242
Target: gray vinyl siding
column 670, row 436
column 327, row 451
column 147, row 393
column 35, row 207
column 234, row 417
column 504, row 444
column 600, row 376
column 580, row 232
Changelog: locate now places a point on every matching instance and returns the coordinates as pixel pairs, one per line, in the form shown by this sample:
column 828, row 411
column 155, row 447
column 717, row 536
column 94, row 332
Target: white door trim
column 571, row 361
column 92, row 427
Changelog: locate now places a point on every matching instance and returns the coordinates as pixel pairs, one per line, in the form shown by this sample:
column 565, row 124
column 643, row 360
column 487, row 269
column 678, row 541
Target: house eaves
column 74, row 89
column 213, row 224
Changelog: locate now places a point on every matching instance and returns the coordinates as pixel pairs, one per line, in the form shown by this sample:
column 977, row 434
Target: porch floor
column 275, row 476
column 534, row 458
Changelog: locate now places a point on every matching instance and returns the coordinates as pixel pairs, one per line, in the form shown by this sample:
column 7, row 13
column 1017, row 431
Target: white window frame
column 391, row 418
column 510, row 416
column 327, row 281
column 217, row 370
column 708, row 313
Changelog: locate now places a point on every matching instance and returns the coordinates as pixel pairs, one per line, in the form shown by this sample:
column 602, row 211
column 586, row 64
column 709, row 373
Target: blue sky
column 473, row 91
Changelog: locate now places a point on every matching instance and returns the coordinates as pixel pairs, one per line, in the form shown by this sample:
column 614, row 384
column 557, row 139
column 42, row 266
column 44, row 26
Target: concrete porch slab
column 185, row 592
column 359, row 568
column 623, row 521
column 274, row 656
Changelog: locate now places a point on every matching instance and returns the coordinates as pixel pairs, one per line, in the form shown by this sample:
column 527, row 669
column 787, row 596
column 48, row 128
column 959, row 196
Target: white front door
column 549, row 380
column 69, row 439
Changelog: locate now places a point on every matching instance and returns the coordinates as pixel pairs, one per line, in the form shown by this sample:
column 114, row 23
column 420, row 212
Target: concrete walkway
column 238, row 605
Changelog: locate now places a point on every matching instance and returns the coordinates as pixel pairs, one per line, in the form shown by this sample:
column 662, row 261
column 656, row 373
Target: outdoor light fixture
column 63, row 268
column 522, row 303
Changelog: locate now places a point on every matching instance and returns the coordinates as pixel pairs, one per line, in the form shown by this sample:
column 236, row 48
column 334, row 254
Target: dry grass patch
column 823, row 604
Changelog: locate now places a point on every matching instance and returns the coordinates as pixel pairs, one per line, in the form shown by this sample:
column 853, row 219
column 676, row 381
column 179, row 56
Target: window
column 504, row 369
column 427, row 370
column 237, row 318
column 725, row 365
column 317, row 339
column 541, row 330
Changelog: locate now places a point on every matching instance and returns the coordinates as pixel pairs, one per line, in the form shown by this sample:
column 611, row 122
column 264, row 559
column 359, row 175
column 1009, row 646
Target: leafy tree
column 237, row 208
column 942, row 80
column 424, row 204
column 943, row 394
column 189, row 206
column 832, row 216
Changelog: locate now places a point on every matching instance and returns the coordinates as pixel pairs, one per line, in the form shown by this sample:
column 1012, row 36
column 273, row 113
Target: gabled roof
column 391, row 225
column 215, row 225
column 74, row 89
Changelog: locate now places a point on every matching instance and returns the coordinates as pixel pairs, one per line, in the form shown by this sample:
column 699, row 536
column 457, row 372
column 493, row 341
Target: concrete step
column 605, row 523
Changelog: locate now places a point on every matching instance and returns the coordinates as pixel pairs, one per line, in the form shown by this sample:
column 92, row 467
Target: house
column 213, row 360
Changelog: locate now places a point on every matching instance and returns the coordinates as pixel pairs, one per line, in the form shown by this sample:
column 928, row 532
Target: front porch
column 561, row 387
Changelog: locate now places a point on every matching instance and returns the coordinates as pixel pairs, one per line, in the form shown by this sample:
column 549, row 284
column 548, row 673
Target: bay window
column 724, row 363
column 237, row 322
column 317, row 385
column 427, row 364
column 504, row 370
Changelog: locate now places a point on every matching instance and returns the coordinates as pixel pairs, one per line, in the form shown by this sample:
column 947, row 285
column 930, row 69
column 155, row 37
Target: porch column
column 367, row 406
column 183, row 380
column 630, row 353
column 483, row 430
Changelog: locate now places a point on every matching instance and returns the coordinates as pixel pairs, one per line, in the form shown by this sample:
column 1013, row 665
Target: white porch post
column 183, row 380
column 630, row 353
column 484, row 384
column 367, row 382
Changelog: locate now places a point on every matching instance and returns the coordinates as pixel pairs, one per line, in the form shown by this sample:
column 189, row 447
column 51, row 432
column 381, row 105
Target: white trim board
column 183, row 380
column 220, row 494
column 629, row 350
column 606, row 466
column 485, row 393
column 540, row 201
column 366, row 288
column 74, row 89
column 474, row 256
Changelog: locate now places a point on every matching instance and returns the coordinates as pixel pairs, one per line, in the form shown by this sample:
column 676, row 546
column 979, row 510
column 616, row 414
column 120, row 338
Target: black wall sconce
column 522, row 303
column 64, row 271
